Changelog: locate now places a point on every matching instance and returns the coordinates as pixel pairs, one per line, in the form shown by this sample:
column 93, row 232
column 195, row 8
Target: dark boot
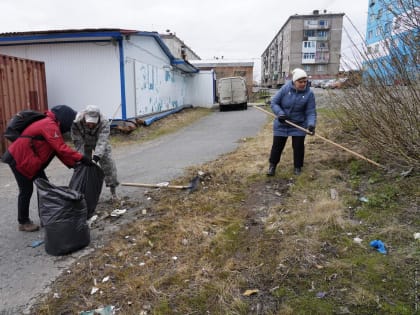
column 271, row 170
column 297, row 171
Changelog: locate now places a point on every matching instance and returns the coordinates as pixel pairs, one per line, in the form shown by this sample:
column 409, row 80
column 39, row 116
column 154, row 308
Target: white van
column 232, row 93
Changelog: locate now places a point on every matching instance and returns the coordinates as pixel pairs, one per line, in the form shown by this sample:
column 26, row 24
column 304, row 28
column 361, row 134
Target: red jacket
column 31, row 158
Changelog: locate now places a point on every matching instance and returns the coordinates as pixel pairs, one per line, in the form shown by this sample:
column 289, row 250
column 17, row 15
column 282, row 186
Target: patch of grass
column 291, row 238
column 160, row 127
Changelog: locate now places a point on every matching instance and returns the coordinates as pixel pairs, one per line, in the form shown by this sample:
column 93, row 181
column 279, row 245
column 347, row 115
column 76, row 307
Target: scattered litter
column 201, row 173
column 174, row 258
column 162, row 184
column 91, row 220
column 94, row 290
column 357, row 240
column 144, row 211
column 417, row 236
column 118, row 212
column 363, row 199
column 251, row 292
column 343, row 310
column 142, row 264
column 379, row 246
column 333, row 193
column 37, row 243
column 406, row 173
column 56, row 295
column 277, row 194
column 321, row 295
column 105, row 279
column 107, row 310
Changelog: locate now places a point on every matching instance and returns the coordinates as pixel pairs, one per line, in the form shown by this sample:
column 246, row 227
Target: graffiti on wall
column 157, row 88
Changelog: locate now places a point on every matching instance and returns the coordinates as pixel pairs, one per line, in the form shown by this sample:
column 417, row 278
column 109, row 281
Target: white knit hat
column 299, row 74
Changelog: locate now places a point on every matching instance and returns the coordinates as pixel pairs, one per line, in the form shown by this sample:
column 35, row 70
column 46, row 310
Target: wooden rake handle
column 155, row 185
column 323, row 138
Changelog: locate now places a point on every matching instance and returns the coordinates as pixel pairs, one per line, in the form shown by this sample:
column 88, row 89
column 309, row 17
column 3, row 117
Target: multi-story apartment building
column 392, row 41
column 311, row 42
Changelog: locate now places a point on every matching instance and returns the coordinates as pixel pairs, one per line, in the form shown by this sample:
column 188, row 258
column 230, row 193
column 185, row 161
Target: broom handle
column 323, row 138
column 154, row 185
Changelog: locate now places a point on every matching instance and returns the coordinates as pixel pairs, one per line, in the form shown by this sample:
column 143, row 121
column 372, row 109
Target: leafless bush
column 384, row 109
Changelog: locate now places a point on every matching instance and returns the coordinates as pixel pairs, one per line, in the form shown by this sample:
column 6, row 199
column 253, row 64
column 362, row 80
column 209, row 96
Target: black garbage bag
column 63, row 214
column 88, row 180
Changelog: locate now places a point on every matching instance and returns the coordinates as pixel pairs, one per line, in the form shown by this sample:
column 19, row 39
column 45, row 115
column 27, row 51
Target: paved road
column 25, row 272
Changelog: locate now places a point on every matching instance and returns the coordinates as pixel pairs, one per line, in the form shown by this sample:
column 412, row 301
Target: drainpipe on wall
column 122, row 78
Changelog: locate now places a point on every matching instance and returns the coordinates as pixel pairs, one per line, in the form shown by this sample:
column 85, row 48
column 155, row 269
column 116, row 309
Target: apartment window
column 387, row 27
column 369, row 49
column 322, row 34
column 309, row 56
column 371, row 3
column 307, row 68
column 370, row 34
column 320, row 68
column 308, row 44
column 378, row 31
column 371, row 17
column 377, row 48
column 323, row 23
column 379, row 14
column 309, row 33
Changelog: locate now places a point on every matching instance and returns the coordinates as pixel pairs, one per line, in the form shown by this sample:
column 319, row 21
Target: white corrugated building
column 127, row 73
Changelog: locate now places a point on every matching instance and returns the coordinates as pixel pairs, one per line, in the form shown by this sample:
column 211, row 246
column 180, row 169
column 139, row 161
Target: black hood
column 65, row 115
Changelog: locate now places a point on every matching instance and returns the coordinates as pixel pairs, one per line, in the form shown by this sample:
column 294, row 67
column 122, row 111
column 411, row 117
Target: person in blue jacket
column 294, row 102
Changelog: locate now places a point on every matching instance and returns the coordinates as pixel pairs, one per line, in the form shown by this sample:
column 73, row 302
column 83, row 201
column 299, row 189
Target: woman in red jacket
column 28, row 156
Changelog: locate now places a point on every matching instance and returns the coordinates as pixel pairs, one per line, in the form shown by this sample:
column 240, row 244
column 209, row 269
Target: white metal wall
column 200, row 87
column 77, row 74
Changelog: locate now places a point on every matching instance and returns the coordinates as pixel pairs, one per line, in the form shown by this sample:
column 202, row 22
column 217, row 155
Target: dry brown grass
column 284, row 236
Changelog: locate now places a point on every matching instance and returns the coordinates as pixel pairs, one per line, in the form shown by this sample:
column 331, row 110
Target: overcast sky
column 234, row 29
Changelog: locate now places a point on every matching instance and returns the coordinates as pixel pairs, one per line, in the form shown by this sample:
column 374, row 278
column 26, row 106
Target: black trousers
column 26, row 189
column 298, row 145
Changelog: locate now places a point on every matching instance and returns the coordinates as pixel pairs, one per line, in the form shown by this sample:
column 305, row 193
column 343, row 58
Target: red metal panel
column 22, row 86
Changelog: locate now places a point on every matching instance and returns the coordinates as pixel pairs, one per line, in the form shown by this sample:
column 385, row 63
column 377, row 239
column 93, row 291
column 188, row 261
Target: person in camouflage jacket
column 90, row 134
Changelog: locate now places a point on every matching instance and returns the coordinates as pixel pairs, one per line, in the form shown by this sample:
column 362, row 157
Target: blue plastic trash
column 379, row 246
column 37, row 243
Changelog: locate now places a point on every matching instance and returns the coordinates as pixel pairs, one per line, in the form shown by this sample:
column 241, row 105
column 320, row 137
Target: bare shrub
column 384, row 110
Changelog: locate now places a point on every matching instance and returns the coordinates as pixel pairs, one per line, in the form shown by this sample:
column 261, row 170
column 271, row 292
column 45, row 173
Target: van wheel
column 245, row 106
column 221, row 108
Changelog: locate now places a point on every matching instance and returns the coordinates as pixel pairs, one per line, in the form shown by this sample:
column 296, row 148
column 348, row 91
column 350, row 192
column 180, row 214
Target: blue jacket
column 298, row 106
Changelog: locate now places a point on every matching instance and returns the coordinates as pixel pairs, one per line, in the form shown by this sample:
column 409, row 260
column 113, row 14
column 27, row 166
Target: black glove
column 96, row 158
column 282, row 118
column 86, row 161
column 311, row 129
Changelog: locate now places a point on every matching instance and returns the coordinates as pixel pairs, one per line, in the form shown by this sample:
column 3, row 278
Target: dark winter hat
column 65, row 116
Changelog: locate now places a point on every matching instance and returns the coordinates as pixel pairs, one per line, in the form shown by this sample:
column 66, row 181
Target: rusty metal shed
column 22, row 86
